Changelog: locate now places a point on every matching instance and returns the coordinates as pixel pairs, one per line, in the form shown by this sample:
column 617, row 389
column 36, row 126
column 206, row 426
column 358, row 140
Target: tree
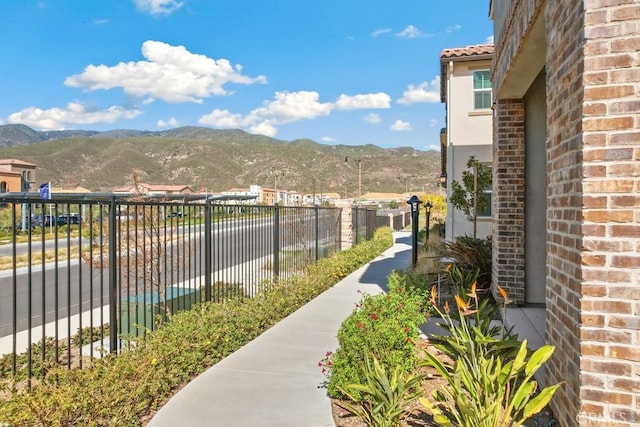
column 469, row 196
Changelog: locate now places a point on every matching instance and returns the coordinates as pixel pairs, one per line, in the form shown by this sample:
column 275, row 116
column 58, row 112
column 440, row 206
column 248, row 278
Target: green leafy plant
column 384, row 326
column 489, row 382
column 382, row 400
column 472, row 330
column 470, row 254
column 493, row 393
column 469, row 195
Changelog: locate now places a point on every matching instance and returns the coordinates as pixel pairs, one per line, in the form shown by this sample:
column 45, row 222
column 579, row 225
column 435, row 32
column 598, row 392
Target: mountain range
column 215, row 160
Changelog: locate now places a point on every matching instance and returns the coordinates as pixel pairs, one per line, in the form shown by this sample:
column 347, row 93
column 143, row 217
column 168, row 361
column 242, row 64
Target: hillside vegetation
column 216, row 160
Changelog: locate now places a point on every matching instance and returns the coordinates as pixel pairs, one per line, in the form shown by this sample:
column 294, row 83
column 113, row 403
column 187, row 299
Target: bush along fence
column 124, row 390
column 84, row 275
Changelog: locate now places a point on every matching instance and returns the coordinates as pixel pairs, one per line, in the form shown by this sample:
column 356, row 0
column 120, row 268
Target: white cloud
column 171, row 73
column 410, row 32
column 372, row 118
column 287, row 107
column 102, row 21
column 489, row 40
column 223, row 119
column 400, row 126
column 433, row 122
column 371, row 100
column 74, row 113
column 158, row 7
column 452, row 29
column 172, row 122
column 328, row 139
column 379, row 32
column 424, row 92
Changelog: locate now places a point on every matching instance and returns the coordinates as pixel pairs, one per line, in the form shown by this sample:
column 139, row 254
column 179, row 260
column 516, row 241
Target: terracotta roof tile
column 460, row 52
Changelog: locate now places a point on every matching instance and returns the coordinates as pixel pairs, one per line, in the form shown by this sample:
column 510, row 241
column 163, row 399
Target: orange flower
column 472, row 293
column 434, row 293
column 449, row 267
column 504, row 293
column 446, row 307
column 461, row 304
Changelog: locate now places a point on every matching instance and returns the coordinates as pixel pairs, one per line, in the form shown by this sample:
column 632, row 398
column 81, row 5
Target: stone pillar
column 346, row 220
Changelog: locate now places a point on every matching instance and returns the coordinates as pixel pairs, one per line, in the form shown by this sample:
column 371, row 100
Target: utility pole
column 346, row 160
column 359, row 178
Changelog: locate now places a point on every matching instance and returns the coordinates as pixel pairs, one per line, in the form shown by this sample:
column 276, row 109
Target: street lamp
column 427, row 208
column 414, row 202
column 443, row 179
column 346, row 160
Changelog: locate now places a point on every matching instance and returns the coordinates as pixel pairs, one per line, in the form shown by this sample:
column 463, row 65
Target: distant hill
column 216, row 160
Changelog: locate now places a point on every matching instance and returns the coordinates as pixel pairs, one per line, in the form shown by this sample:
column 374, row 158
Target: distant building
column 466, row 91
column 16, row 176
column 153, row 189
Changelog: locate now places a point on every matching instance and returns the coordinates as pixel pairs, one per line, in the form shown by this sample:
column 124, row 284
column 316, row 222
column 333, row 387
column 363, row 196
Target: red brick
column 607, row 397
column 625, row 261
column 624, row 322
column 607, row 306
column 593, row 320
column 609, row 215
column 608, row 154
column 625, row 75
column 624, row 138
column 625, row 170
column 628, row 106
column 609, row 186
column 608, row 92
column 625, row 353
column 609, row 123
column 620, row 60
column 625, row 13
column 627, row 292
column 625, row 201
column 632, row 231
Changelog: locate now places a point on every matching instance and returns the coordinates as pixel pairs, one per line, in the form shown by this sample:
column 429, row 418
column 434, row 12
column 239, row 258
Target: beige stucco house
column 566, row 192
column 466, row 91
column 16, row 175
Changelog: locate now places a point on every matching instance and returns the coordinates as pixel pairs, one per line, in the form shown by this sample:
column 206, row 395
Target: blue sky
column 350, row 72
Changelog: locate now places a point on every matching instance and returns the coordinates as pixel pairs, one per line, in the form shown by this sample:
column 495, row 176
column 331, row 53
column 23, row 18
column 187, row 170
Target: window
column 487, row 211
column 482, row 90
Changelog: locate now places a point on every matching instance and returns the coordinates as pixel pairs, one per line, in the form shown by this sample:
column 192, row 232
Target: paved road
column 72, row 286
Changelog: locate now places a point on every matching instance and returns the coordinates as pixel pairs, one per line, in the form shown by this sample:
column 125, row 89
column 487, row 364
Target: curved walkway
column 275, row 380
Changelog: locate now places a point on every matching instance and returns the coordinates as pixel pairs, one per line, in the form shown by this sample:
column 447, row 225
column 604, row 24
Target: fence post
column 317, row 231
column 207, row 250
column 276, row 242
column 113, row 290
column 357, row 226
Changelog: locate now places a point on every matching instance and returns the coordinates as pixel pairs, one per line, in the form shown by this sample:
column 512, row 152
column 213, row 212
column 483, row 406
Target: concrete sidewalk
column 275, row 379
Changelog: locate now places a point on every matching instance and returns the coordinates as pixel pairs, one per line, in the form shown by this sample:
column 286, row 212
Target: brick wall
column 593, row 207
column 519, row 17
column 564, row 64
column 508, row 198
column 610, row 257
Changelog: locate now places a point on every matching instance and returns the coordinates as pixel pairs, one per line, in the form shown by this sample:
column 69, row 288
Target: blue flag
column 45, row 191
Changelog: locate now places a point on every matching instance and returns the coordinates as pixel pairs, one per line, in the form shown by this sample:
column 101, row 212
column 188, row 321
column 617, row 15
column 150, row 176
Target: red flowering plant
column 384, row 327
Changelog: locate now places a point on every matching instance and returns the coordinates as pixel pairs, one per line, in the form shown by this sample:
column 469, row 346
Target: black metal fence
column 86, row 274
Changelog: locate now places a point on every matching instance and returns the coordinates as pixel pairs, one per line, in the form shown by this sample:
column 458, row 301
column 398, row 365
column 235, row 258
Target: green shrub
column 470, row 254
column 384, row 398
column 385, row 327
column 124, row 389
column 488, row 373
